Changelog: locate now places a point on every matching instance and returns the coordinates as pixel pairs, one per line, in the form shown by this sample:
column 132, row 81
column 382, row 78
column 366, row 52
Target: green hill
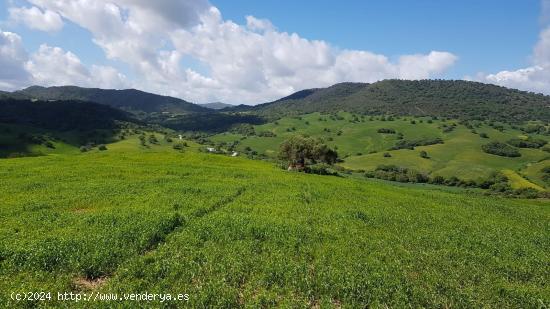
column 362, row 146
column 232, row 232
column 442, row 98
column 60, row 115
column 129, row 99
column 41, row 127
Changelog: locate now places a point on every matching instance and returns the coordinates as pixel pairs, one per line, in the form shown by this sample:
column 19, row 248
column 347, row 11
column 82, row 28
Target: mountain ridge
column 442, row 98
column 130, row 100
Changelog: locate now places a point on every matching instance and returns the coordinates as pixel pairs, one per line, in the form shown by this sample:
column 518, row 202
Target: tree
column 501, row 149
column 300, row 151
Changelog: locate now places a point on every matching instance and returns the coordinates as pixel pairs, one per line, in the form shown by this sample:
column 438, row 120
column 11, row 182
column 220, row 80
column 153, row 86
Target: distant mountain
column 131, row 100
column 446, row 98
column 216, row 105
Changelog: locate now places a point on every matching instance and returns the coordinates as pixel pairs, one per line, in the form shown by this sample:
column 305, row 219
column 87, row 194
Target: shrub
column 424, row 155
column 386, row 131
column 396, row 173
column 534, row 128
column 438, row 180
column 102, row 147
column 387, row 155
column 546, row 174
column 320, row 169
column 483, row 135
column 49, row 145
column 501, row 149
column 245, row 129
column 527, row 143
column 267, row 134
column 404, row 144
column 526, row 193
column 153, row 139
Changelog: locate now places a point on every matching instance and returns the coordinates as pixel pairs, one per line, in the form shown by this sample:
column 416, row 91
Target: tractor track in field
column 201, row 212
column 90, row 284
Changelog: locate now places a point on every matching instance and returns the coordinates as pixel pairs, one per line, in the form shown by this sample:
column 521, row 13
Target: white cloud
column 34, row 18
column 12, row 60
column 261, row 63
column 534, row 78
column 244, row 63
column 256, row 24
column 52, row 66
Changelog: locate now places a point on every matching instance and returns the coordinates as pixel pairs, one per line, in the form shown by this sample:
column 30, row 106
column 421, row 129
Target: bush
column 49, row 145
column 178, row 146
column 483, row 135
column 396, row 173
column 320, row 169
column 387, row 155
column 527, row 143
column 501, row 149
column 438, row 180
column 267, row 134
column 424, row 155
column 404, row 144
column 386, row 131
column 102, row 147
column 526, row 193
column 546, row 174
column 153, row 139
column 243, row 129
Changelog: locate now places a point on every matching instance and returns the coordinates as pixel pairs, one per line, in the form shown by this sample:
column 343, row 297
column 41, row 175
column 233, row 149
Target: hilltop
column 131, row 100
column 443, row 98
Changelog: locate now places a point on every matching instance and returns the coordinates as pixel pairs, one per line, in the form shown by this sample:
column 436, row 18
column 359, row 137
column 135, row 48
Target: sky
column 245, row 51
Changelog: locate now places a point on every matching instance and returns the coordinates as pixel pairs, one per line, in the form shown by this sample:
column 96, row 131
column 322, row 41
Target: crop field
column 233, row 232
column 363, row 148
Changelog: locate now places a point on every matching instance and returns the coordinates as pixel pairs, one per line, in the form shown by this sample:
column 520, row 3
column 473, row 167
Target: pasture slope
column 362, row 147
column 233, row 232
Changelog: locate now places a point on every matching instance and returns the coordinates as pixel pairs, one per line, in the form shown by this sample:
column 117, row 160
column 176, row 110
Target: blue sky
column 486, row 35
column 491, row 41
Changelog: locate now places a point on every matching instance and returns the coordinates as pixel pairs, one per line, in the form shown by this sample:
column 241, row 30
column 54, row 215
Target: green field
column 362, row 147
column 233, row 232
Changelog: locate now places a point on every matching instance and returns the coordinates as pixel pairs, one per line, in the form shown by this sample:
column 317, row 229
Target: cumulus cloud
column 248, row 63
column 261, row 63
column 12, row 61
column 37, row 19
column 51, row 66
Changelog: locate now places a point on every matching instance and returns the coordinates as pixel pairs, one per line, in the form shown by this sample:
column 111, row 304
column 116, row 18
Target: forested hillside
column 442, row 98
column 128, row 99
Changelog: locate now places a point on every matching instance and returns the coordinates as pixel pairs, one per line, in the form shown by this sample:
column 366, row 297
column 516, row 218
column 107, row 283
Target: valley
column 382, row 208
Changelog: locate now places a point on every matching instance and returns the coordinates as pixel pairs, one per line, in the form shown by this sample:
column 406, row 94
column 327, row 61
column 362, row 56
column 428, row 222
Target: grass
column 362, row 147
column 233, row 232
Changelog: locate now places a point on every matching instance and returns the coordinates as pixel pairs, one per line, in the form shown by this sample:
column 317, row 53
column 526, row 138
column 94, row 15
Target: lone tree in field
column 300, row 151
